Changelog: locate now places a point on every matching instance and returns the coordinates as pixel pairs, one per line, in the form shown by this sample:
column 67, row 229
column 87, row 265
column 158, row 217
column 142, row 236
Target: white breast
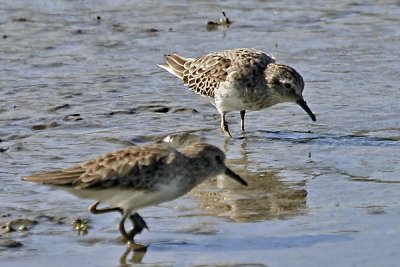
column 227, row 99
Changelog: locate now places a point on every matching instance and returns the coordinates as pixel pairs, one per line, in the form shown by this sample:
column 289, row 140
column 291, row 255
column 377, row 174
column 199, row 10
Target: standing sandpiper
column 138, row 177
column 239, row 79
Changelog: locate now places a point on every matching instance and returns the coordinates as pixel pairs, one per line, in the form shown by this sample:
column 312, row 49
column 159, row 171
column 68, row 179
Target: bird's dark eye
column 218, row 158
column 287, row 85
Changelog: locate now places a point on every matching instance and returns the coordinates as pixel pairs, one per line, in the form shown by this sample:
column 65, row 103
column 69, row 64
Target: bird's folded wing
column 204, row 74
column 133, row 167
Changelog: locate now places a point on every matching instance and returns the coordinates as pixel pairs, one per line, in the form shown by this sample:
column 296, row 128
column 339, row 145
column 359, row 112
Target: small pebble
column 73, row 117
column 185, row 110
column 10, row 243
column 60, row 107
column 151, row 30
column 20, row 19
column 45, row 126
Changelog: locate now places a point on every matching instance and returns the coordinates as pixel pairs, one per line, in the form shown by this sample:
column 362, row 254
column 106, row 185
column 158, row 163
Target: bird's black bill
column 234, row 176
column 304, row 106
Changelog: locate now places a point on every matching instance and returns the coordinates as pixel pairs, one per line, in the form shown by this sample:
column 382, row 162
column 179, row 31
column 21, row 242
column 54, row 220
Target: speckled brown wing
column 128, row 168
column 204, row 74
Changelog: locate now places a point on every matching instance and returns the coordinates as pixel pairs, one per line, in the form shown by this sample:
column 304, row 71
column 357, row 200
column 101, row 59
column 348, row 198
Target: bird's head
column 288, row 84
column 209, row 161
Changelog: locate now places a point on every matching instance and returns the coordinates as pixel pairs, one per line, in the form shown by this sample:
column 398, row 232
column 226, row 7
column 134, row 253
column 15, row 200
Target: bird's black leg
column 242, row 113
column 224, row 125
column 94, row 210
column 128, row 239
column 138, row 225
column 138, row 222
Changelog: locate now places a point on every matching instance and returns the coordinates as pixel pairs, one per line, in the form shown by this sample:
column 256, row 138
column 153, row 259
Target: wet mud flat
column 81, row 79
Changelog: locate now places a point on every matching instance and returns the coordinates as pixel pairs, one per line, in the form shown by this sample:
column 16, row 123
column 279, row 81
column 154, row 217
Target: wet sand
column 79, row 79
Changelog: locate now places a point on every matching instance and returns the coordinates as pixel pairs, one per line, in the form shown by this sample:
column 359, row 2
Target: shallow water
column 78, row 79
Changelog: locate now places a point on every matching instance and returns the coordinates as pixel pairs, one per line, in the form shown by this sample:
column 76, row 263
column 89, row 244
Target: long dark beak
column 304, row 106
column 234, row 176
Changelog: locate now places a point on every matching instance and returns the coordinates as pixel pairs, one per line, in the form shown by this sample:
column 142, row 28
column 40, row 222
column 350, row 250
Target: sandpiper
column 239, row 80
column 137, row 177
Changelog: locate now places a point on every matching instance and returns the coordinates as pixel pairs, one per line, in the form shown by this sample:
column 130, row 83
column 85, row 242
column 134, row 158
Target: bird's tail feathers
column 175, row 64
column 62, row 177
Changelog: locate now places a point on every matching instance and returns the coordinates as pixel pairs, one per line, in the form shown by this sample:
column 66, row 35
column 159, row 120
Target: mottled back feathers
column 129, row 168
column 204, row 74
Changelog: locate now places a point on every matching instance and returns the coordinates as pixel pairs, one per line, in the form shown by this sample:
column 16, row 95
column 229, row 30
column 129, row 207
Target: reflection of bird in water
column 265, row 198
column 137, row 254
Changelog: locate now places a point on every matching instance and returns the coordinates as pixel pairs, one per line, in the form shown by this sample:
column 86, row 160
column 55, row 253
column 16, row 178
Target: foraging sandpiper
column 137, row 177
column 239, row 79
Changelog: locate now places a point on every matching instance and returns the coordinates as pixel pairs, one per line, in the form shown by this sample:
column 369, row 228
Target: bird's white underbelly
column 128, row 199
column 136, row 201
column 232, row 100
